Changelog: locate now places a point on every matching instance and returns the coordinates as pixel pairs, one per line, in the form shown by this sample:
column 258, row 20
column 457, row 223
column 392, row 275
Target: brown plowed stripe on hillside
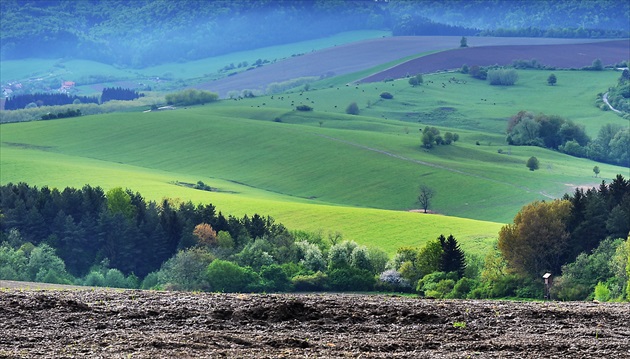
column 560, row 56
column 357, row 56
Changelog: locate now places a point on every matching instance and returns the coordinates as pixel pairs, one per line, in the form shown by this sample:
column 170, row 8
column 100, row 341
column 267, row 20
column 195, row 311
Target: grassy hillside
column 325, row 170
column 385, row 229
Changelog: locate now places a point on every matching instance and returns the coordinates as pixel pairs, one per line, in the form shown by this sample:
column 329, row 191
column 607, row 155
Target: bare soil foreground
column 141, row 324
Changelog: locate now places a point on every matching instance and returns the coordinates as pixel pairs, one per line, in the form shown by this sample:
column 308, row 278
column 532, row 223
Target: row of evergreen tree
column 119, row 93
column 87, row 225
column 597, row 214
column 39, row 99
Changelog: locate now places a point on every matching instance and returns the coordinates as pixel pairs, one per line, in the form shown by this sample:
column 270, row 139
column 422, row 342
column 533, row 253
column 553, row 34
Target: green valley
column 328, row 171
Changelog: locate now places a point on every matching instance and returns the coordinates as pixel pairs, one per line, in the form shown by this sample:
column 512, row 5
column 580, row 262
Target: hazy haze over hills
column 143, row 33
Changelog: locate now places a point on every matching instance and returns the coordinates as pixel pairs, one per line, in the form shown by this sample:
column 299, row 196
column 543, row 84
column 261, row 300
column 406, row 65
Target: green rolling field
column 328, row 171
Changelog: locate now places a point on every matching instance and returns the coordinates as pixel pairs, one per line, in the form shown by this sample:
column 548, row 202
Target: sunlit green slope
column 325, row 170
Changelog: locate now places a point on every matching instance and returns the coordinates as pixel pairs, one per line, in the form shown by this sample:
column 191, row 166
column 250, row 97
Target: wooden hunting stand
column 548, row 282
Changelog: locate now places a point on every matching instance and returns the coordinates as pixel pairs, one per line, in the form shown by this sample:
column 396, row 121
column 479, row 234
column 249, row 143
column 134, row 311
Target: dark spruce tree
column 453, row 259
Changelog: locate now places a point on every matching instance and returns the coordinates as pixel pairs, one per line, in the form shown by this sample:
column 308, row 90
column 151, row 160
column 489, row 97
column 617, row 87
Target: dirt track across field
column 139, row 324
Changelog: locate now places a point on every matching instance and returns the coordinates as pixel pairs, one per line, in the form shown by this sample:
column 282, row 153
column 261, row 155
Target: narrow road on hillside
column 605, row 98
column 432, row 164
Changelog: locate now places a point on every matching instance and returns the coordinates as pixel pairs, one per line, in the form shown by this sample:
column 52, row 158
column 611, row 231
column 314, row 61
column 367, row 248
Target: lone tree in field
column 551, row 80
column 352, row 109
column 463, row 42
column 425, row 196
column 596, row 170
column 532, row 163
column 416, row 80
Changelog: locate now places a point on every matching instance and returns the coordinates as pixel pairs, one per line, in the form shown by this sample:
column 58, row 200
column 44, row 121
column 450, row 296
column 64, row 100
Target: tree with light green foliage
column 44, row 266
column 602, row 267
column 191, row 97
column 311, row 256
column 12, row 263
column 119, row 201
column 185, row 270
column 224, row 276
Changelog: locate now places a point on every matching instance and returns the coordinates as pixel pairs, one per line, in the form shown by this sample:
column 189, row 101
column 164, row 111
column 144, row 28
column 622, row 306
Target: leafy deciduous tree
column 533, row 163
column 537, row 240
column 352, row 109
column 425, row 196
column 206, row 235
column 416, row 80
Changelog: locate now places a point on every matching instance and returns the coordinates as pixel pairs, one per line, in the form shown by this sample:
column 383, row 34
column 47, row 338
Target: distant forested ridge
column 552, row 18
column 143, row 32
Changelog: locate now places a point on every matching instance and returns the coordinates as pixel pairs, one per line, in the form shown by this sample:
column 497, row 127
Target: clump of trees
column 191, row 97
column 619, row 95
column 436, row 270
column 352, row 109
column 502, row 77
column 580, row 236
column 557, row 133
column 304, row 108
column 65, row 114
column 279, row 87
column 387, row 95
column 431, row 136
column 416, row 80
column 478, row 72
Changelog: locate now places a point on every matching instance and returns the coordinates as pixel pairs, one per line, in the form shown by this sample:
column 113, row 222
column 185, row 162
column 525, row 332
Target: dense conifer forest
column 116, row 238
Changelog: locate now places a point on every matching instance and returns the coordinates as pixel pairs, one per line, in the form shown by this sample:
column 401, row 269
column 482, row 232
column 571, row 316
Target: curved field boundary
column 557, row 55
column 423, row 163
column 358, row 56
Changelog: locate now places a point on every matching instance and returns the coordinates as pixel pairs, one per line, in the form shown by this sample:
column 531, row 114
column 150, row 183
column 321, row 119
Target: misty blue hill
column 143, row 33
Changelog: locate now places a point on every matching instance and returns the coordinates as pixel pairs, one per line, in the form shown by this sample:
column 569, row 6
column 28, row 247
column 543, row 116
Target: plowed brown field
column 139, row 324
column 359, row 56
column 560, row 56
